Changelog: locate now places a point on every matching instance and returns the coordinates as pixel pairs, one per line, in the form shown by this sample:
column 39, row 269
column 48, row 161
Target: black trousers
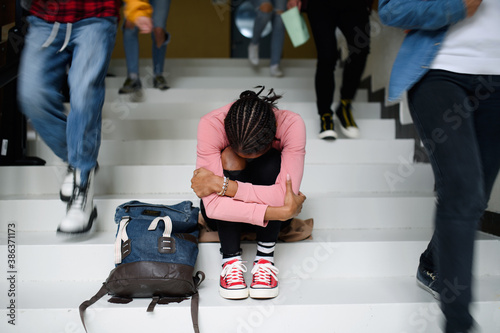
column 259, row 171
column 353, row 21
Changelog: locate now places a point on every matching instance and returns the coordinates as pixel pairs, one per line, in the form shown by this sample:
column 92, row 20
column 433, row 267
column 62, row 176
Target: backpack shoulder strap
column 103, row 291
column 195, row 300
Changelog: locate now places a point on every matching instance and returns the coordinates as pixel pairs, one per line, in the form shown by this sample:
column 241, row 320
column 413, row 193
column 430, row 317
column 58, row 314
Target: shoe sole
column 351, row 132
column 233, row 293
column 328, row 135
column 92, row 218
column 263, row 293
column 64, row 198
column 137, row 96
column 434, row 293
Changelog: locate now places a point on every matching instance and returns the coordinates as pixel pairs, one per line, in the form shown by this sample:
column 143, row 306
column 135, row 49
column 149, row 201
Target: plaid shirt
column 71, row 11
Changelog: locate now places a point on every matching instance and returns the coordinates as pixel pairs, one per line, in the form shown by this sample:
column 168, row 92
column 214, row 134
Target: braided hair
column 250, row 123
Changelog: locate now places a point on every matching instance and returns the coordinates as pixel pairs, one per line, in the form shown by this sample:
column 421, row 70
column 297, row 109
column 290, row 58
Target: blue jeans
column 278, row 33
column 458, row 119
column 75, row 138
column 131, row 40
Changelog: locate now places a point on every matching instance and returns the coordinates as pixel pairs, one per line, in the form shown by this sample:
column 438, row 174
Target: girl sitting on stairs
column 250, row 161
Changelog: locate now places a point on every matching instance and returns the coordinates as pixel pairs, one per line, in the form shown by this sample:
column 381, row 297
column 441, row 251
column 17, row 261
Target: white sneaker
column 68, row 185
column 80, row 212
column 275, row 71
column 253, row 54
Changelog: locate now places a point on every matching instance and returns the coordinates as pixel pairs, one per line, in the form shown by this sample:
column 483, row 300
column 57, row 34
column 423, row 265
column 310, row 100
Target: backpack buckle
column 166, row 245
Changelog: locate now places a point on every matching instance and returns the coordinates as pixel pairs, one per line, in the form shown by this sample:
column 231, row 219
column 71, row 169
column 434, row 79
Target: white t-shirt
column 472, row 46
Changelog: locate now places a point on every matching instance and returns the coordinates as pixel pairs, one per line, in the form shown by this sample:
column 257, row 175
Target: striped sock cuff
column 265, row 250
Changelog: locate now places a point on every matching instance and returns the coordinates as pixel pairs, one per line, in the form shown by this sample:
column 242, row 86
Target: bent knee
column 159, row 31
column 266, row 7
column 129, row 25
column 232, row 161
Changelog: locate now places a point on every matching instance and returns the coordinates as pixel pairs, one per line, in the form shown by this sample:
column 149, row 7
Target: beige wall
column 201, row 29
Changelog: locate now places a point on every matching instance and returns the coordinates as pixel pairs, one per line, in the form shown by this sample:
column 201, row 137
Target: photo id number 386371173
column 11, row 273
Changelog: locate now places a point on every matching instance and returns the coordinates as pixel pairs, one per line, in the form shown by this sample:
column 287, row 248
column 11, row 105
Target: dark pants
column 458, row 119
column 325, row 17
column 259, row 171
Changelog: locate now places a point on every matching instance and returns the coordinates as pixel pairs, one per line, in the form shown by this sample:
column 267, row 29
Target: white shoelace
column 78, row 202
column 261, row 273
column 234, row 272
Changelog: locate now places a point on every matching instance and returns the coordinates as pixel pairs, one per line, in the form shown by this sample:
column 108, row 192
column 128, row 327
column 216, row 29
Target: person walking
column 449, row 65
column 80, row 33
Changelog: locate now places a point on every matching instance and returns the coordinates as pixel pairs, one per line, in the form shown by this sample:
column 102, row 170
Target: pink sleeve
column 292, row 134
column 211, row 141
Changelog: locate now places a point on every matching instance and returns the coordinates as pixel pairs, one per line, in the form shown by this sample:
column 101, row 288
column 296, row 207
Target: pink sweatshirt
column 251, row 201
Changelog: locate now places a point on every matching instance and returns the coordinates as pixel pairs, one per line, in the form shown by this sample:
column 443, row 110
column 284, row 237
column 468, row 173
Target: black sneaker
column 427, row 280
column 326, row 131
column 159, row 82
column 130, row 86
column 347, row 124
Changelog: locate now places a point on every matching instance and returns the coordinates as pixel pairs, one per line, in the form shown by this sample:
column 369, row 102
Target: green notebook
column 295, row 26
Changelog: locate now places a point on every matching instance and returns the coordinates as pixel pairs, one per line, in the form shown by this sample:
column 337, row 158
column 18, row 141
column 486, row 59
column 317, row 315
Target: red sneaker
column 265, row 280
column 232, row 282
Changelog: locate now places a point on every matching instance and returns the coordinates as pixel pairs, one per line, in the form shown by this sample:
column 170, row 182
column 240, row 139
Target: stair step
column 178, row 152
column 329, row 254
column 232, row 68
column 329, row 210
column 215, row 94
column 157, row 179
column 124, row 109
column 341, row 305
column 183, row 129
column 223, row 82
column 373, row 212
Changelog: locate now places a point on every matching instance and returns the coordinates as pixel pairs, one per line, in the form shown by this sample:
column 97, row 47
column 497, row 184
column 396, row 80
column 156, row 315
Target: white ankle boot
column 253, row 54
column 68, row 185
column 80, row 212
column 275, row 71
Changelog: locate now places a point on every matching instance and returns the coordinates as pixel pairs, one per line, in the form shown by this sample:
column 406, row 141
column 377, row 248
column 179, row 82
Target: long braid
column 250, row 123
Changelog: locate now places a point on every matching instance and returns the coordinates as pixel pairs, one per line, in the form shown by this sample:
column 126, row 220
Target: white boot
column 253, row 54
column 80, row 212
column 68, row 185
column 275, row 71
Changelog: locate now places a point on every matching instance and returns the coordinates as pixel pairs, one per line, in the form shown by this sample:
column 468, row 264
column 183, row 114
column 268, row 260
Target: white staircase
column 372, row 209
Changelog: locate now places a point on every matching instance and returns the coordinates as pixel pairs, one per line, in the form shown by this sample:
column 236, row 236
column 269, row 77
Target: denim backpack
column 156, row 248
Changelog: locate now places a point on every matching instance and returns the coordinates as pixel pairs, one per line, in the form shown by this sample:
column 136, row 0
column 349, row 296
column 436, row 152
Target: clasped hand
column 205, row 182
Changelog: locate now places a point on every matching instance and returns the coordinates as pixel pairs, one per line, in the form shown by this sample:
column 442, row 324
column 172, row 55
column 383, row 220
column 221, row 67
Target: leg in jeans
column 160, row 14
column 264, row 10
column 92, row 42
column 278, row 33
column 41, row 74
column 268, row 10
column 457, row 125
column 323, row 22
column 131, row 47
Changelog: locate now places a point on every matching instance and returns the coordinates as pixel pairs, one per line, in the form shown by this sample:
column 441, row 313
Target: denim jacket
column 428, row 22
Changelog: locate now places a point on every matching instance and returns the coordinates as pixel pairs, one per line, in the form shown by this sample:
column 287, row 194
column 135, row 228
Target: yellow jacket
column 135, row 8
